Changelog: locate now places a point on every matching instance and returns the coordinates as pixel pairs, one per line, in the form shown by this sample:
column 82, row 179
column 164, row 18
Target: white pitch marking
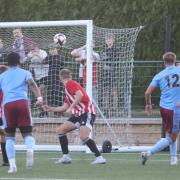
column 4, row 178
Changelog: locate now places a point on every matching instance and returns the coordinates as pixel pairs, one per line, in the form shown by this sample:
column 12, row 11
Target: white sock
column 12, row 162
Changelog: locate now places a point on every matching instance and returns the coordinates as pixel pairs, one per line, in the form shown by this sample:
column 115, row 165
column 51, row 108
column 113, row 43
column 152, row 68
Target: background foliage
column 106, row 13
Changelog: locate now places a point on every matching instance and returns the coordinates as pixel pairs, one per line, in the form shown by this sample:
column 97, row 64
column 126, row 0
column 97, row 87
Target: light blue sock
column 29, row 142
column 173, row 149
column 10, row 148
column 160, row 145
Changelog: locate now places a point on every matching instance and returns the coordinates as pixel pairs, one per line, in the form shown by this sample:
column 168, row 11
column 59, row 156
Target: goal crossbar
column 44, row 23
column 80, row 33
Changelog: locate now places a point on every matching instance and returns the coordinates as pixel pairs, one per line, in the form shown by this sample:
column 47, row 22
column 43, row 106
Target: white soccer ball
column 59, row 39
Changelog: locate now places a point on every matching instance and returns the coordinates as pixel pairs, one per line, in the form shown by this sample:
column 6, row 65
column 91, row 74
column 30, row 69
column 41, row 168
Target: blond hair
column 169, row 58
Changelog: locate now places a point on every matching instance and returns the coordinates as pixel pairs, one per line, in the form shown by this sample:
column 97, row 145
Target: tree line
column 106, row 13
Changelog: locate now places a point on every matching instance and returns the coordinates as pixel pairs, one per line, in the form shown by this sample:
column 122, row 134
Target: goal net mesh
column 111, row 74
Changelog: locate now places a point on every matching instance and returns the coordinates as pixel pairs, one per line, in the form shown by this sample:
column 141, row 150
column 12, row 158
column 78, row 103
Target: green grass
column 120, row 166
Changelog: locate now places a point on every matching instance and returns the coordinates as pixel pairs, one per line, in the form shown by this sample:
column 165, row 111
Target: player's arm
column 80, row 59
column 34, row 88
column 28, row 57
column 96, row 56
column 62, row 108
column 76, row 52
column 78, row 98
column 42, row 55
column 148, row 93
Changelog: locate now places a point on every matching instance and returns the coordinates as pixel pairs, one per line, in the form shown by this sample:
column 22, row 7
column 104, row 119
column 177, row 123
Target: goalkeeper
column 83, row 116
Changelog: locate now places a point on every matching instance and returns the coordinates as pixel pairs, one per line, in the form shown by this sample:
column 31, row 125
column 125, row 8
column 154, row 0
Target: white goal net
column 107, row 79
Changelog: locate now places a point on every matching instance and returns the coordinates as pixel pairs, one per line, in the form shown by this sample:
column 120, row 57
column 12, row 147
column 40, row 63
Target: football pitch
column 120, row 166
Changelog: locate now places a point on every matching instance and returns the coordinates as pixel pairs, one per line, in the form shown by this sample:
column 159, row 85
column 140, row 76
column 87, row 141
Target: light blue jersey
column 13, row 83
column 169, row 82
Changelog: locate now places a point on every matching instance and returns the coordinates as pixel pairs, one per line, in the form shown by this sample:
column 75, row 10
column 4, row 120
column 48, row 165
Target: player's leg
column 29, row 142
column 62, row 130
column 86, row 123
column 175, row 130
column 160, row 145
column 24, row 122
column 43, row 90
column 167, row 116
column 114, row 97
column 173, row 153
column 10, row 149
column 9, row 119
column 3, row 148
column 105, row 95
column 3, row 144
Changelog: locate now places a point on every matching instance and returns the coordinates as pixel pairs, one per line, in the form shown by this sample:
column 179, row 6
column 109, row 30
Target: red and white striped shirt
column 71, row 87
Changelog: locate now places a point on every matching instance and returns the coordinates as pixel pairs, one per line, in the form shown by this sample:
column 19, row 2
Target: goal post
column 114, row 67
column 89, row 49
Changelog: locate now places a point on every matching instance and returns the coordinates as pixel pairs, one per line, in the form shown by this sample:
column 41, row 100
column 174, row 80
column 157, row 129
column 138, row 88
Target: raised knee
column 61, row 130
column 173, row 139
column 83, row 138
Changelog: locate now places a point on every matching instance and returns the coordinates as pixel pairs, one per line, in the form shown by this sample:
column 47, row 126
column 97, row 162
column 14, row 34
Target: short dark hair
column 3, row 68
column 65, row 74
column 13, row 59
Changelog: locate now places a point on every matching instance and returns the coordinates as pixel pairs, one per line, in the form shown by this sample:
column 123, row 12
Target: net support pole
column 167, row 42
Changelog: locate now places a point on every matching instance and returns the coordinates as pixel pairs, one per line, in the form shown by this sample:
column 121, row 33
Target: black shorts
column 1, row 122
column 43, row 81
column 86, row 119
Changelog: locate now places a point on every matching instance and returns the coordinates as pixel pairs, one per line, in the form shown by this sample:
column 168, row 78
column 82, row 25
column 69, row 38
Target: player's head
column 53, row 49
column 3, row 68
column 109, row 39
column 17, row 33
column 34, row 48
column 65, row 74
column 13, row 59
column 169, row 58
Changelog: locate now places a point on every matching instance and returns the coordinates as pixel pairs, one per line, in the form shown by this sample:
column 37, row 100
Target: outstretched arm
column 62, row 108
column 34, row 88
column 80, row 59
column 76, row 52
